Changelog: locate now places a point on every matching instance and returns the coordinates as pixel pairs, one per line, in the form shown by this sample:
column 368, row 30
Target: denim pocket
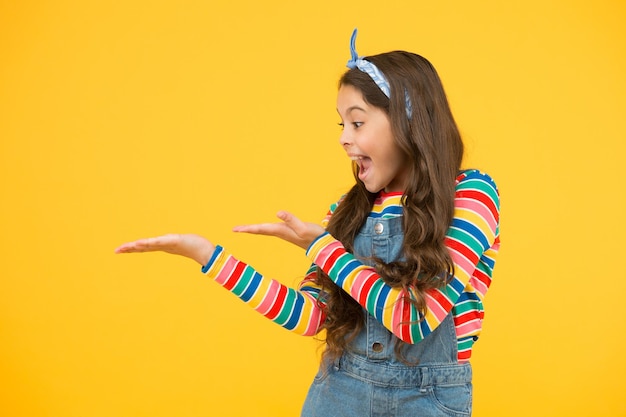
column 323, row 372
column 455, row 400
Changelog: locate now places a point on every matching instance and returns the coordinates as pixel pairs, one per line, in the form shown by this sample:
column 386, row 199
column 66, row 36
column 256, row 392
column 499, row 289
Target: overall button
column 377, row 347
column 378, row 228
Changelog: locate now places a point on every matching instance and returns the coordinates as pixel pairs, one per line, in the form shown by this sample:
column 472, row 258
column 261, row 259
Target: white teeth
column 356, row 158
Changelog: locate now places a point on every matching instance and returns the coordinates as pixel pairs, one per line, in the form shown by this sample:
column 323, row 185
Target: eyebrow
column 351, row 108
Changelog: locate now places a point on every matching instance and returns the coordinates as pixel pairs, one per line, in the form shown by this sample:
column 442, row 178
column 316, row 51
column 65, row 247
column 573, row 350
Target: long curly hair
column 431, row 141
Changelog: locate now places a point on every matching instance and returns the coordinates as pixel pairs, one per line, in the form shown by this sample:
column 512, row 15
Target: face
column 367, row 139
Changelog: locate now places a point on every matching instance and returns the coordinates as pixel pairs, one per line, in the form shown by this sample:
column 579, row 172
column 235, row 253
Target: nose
column 344, row 139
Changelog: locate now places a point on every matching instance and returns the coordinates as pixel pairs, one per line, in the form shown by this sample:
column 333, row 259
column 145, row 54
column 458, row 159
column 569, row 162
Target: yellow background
column 121, row 120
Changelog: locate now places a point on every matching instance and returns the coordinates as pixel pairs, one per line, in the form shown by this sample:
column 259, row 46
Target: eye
column 340, row 125
column 357, row 124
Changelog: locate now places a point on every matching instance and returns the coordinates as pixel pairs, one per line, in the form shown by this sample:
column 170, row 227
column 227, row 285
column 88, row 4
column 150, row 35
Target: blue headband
column 375, row 74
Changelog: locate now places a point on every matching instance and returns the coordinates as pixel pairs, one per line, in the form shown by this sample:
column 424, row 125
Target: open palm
column 189, row 245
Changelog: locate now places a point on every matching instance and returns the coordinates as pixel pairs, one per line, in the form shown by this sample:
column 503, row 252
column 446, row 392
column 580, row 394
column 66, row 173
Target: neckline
column 385, row 194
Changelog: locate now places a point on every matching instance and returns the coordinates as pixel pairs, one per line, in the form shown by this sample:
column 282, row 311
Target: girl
column 399, row 266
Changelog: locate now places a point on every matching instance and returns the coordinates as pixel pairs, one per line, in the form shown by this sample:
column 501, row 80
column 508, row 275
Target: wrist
column 204, row 256
column 214, row 256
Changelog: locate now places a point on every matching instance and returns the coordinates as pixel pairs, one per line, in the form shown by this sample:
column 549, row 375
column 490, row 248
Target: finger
column 249, row 228
column 126, row 248
column 130, row 247
column 145, row 245
column 267, row 229
column 294, row 223
column 123, row 248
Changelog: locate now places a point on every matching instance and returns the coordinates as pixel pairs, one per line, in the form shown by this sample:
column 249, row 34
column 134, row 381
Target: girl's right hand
column 188, row 245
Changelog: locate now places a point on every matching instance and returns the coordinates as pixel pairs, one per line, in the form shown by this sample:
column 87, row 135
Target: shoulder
column 331, row 210
column 478, row 185
column 478, row 180
column 476, row 177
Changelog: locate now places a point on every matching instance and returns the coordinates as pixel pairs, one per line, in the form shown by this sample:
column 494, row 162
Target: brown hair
column 431, row 141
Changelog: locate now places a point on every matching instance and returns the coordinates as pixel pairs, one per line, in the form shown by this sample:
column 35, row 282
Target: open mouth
column 364, row 164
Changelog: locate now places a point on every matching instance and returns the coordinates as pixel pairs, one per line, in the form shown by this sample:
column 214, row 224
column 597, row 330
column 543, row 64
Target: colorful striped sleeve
column 472, row 239
column 296, row 310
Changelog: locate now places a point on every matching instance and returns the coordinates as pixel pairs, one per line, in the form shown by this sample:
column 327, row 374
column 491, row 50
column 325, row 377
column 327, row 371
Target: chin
column 373, row 189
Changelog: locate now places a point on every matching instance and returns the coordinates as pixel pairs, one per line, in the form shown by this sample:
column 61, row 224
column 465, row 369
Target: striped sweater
column 472, row 239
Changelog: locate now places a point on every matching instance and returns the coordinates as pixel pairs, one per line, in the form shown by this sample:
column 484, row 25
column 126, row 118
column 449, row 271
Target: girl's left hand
column 190, row 246
column 291, row 229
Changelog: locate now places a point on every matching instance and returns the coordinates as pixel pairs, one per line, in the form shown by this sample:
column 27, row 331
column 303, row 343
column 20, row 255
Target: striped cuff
column 318, row 244
column 216, row 253
column 318, row 250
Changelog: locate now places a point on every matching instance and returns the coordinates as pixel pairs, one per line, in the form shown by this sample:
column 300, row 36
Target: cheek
column 393, row 153
column 398, row 163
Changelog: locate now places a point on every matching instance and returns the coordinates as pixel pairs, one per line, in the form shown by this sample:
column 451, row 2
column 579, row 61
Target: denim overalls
column 369, row 380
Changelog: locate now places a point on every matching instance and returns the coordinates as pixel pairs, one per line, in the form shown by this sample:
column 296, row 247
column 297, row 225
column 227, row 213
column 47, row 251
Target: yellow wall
column 126, row 119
